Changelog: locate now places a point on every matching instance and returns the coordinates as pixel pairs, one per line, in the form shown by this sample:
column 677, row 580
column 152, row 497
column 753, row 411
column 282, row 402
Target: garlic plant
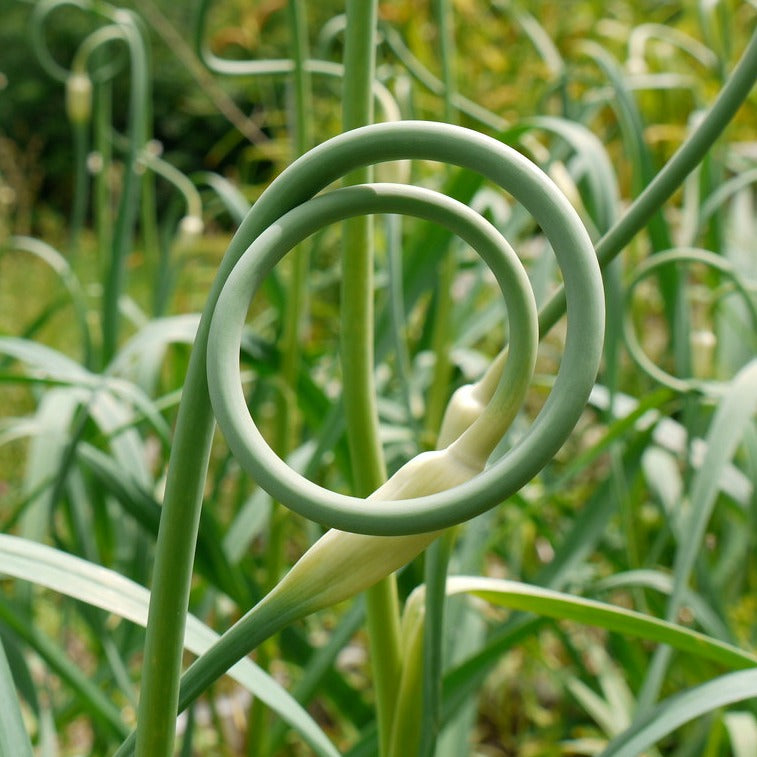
column 281, row 218
column 311, row 173
column 371, row 537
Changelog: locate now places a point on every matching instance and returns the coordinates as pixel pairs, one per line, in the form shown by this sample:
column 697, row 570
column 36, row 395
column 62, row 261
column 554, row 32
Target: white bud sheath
column 464, row 407
column 469, row 401
column 190, row 229
column 341, row 564
column 79, row 98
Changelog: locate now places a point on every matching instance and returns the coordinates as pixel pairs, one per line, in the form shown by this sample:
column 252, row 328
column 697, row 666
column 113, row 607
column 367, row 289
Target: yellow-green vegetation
column 377, row 378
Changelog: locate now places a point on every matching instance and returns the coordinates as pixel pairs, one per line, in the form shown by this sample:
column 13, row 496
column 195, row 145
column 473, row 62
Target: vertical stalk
column 397, row 318
column 128, row 205
column 366, row 454
column 439, row 389
column 438, row 392
column 103, row 216
column 435, row 579
column 300, row 262
column 148, row 205
column 286, row 402
column 439, row 553
column 300, row 51
column 79, row 206
column 357, row 262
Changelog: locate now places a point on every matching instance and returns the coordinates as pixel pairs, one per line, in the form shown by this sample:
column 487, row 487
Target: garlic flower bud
column 190, row 229
column 79, row 98
column 464, row 407
column 341, row 564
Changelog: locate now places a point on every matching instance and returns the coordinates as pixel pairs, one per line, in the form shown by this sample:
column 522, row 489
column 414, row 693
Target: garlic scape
column 338, row 566
column 432, row 492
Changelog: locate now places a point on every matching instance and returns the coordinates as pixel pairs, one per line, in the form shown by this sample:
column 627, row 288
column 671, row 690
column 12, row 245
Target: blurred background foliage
column 498, row 64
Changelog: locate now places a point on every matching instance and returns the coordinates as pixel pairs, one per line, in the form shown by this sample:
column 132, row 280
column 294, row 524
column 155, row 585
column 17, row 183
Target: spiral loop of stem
column 575, row 255
column 103, row 35
column 685, row 256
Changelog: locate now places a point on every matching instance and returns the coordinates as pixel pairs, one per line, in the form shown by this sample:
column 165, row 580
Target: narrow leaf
column 110, row 591
column 682, row 708
column 13, row 737
column 554, row 604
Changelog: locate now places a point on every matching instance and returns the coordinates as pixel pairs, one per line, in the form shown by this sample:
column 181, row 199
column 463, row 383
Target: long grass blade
column 13, row 737
column 683, row 708
column 535, row 599
column 110, row 591
column 733, row 416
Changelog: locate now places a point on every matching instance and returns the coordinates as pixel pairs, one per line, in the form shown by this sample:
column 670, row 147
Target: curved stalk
column 653, row 196
column 671, row 176
column 280, row 67
column 189, row 455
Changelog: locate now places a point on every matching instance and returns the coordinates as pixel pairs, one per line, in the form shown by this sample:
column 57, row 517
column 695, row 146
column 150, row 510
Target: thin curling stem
column 38, row 18
column 187, row 468
column 319, row 578
column 180, row 181
column 575, row 256
column 681, row 255
column 79, row 103
column 688, row 156
column 81, row 125
column 137, row 131
column 279, row 67
column 671, row 176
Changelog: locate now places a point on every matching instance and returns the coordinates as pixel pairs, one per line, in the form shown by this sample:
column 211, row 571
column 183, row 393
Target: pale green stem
column 79, row 205
column 658, row 191
column 295, row 302
column 302, row 104
column 655, row 194
column 432, row 645
column 174, row 553
column 123, row 233
column 438, row 392
column 357, row 264
column 406, row 730
column 429, row 643
column 366, row 454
